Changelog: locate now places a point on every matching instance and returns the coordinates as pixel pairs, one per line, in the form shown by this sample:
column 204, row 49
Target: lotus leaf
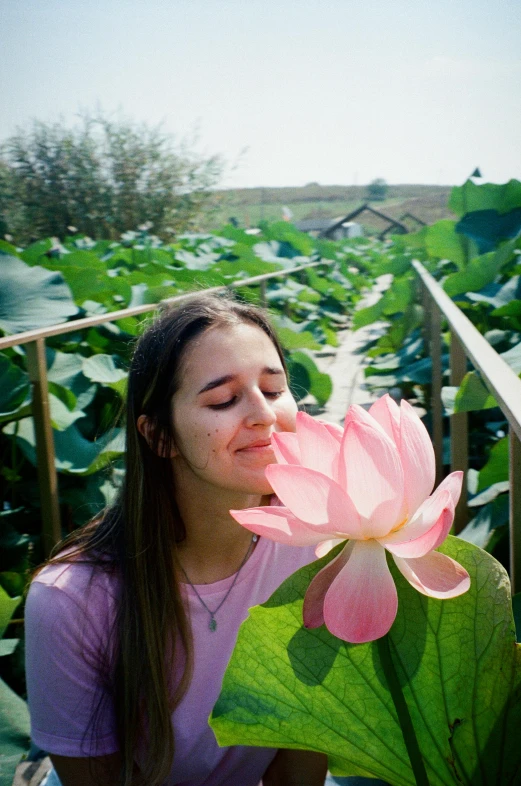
column 32, row 297
column 471, row 197
column 286, row 686
column 14, row 389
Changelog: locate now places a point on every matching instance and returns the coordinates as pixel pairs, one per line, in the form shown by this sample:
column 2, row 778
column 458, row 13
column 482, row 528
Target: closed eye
column 224, row 405
column 270, row 394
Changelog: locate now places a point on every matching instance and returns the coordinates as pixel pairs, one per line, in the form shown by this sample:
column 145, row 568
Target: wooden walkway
column 345, row 364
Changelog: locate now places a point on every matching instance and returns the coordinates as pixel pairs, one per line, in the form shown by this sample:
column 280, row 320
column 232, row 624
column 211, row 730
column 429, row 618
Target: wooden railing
column 34, row 340
column 467, row 343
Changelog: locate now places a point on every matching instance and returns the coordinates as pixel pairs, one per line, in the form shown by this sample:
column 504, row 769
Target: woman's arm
column 296, row 768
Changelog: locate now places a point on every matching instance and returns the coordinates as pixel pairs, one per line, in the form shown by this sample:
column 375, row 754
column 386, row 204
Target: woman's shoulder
column 80, row 579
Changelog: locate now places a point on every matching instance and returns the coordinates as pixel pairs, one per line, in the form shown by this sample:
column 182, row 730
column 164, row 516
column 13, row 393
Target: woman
column 131, row 625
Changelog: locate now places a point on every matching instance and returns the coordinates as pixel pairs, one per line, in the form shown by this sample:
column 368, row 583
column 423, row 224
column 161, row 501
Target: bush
column 102, row 178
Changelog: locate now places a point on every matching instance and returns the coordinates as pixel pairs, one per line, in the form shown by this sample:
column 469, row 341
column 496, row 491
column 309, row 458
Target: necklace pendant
column 212, row 624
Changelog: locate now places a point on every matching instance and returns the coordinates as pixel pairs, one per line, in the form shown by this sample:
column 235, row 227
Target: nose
column 260, row 412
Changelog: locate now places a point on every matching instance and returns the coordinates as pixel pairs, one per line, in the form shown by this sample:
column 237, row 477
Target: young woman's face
column 233, row 396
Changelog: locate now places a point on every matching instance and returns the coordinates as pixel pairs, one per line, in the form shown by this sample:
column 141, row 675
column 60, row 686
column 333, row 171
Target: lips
column 259, row 444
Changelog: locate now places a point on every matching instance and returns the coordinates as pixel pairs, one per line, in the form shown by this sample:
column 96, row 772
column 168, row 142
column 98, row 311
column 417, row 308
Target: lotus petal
column 319, row 449
column 453, row 483
column 435, row 575
column 315, row 499
column 417, row 455
column 357, row 414
column 333, row 428
column 374, row 478
column 362, row 602
column 325, row 547
column 278, row 524
column 386, row 412
column 286, row 448
column 313, row 609
column 429, row 528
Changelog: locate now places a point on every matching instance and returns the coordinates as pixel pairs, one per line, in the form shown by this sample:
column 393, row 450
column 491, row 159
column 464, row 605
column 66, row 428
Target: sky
column 286, row 91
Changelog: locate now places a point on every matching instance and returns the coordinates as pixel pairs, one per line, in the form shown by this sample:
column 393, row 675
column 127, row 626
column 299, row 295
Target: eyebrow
column 215, row 383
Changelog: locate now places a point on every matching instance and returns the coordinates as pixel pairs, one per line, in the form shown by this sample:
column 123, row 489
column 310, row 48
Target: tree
column 102, row 177
column 377, row 190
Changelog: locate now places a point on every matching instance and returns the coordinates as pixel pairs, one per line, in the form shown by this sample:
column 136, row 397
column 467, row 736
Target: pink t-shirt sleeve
column 70, row 704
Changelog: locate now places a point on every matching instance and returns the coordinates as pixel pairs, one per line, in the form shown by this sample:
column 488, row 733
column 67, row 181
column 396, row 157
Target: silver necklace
column 212, row 625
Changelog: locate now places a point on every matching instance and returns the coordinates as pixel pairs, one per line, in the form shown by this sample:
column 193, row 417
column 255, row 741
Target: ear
column 146, row 429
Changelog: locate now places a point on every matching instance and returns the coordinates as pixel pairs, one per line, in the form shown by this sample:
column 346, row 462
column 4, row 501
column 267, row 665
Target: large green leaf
column 396, row 300
column 32, row 297
column 286, row 233
column 369, row 314
column 297, row 340
column 419, row 372
column 482, row 530
column 36, row 250
column 102, row 368
column 443, row 242
column 319, row 385
column 513, row 357
column 496, row 468
column 460, row 670
column 473, row 395
column 14, row 732
column 488, row 227
column 489, row 196
column 75, row 455
column 15, row 390
column 480, row 271
column 8, row 606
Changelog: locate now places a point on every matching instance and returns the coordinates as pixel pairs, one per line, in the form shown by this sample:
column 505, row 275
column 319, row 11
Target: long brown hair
column 137, row 536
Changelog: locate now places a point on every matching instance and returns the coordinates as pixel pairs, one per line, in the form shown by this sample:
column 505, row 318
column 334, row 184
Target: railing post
column 515, row 511
column 47, row 477
column 434, row 317
column 459, row 435
column 427, row 308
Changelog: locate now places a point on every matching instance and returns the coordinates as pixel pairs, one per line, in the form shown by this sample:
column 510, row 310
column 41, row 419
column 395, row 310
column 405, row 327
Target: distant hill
column 251, row 205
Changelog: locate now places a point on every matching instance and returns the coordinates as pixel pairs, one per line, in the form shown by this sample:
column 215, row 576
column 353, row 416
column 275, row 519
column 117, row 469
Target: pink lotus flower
column 370, row 484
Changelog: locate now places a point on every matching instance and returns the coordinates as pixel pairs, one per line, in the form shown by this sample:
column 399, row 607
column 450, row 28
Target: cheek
column 286, row 417
column 205, row 437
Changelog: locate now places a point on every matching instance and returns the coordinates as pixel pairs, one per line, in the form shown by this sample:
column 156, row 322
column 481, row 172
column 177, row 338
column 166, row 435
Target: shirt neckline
column 223, row 584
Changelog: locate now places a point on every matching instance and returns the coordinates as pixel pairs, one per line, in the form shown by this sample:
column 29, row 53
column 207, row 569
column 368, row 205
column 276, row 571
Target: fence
column 466, row 342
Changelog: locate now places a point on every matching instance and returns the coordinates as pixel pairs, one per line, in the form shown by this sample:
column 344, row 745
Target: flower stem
column 404, row 718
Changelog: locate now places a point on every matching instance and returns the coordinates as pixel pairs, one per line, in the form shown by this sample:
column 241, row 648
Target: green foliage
column 496, row 468
column 285, row 686
column 14, row 732
column 31, row 297
column 472, row 395
column 480, row 271
column 306, row 378
column 471, row 197
column 100, row 178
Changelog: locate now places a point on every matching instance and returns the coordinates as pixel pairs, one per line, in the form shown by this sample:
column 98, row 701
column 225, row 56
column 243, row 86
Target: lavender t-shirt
column 69, row 614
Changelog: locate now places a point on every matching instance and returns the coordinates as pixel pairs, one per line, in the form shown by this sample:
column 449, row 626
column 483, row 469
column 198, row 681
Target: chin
column 261, row 487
